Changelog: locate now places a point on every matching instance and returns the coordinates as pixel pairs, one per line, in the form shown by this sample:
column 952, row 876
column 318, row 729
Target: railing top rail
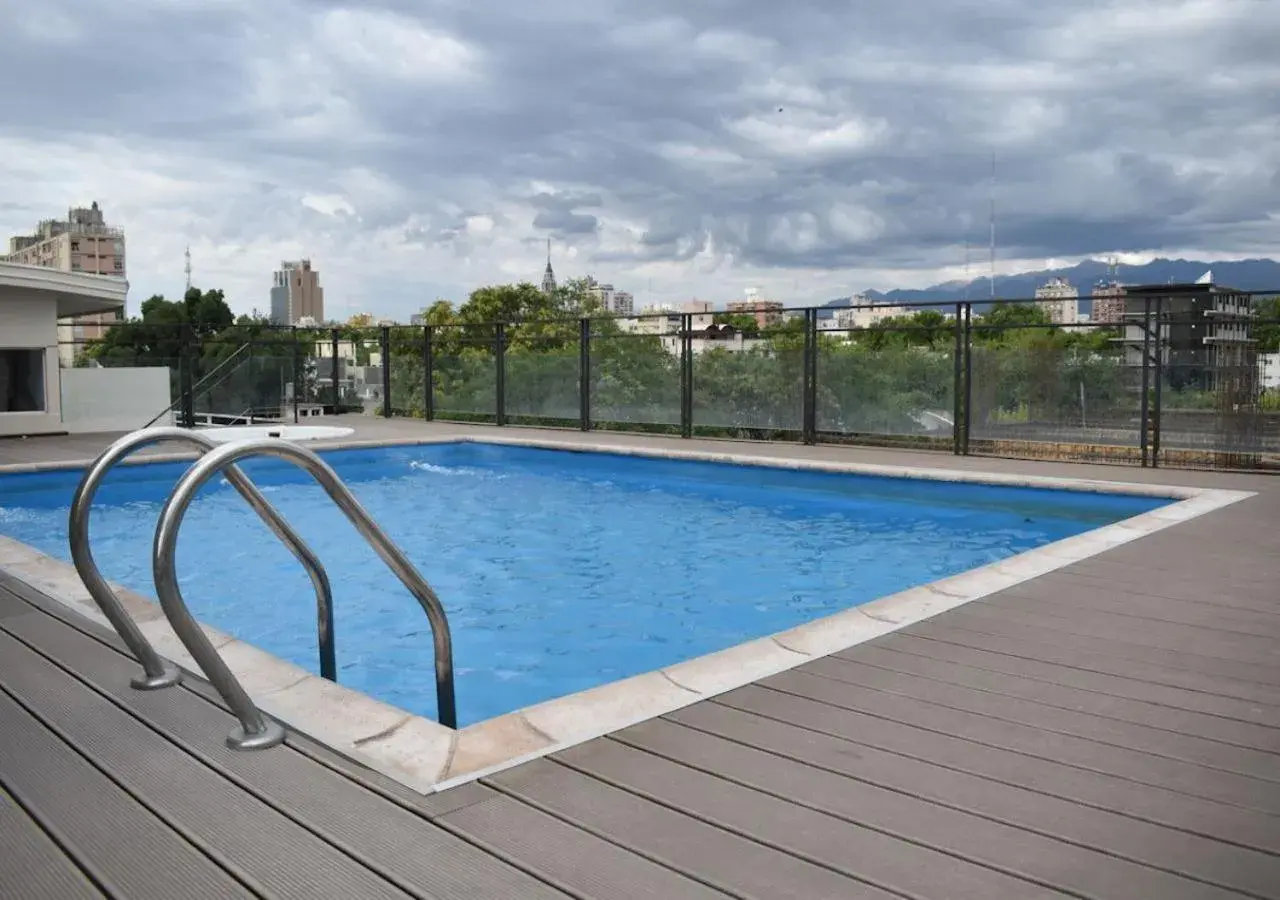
column 255, row 730
column 157, row 673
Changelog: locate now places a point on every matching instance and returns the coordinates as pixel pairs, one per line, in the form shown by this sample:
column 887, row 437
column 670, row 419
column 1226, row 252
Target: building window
column 22, row 381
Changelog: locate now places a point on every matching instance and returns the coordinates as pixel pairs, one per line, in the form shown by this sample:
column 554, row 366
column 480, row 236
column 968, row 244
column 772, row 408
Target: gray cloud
column 816, row 137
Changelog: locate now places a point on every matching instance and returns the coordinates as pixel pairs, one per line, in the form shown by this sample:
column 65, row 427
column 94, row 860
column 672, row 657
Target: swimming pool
column 560, row 571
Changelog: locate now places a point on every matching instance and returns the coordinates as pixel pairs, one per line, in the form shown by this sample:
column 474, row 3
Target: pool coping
column 428, row 757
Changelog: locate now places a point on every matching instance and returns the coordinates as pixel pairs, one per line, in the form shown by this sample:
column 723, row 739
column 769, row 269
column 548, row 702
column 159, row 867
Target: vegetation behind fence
column 999, row 379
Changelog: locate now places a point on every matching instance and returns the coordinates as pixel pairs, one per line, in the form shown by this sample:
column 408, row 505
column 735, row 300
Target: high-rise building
column 83, row 242
column 1061, row 300
column 548, row 276
column 618, row 303
column 1108, row 303
column 296, row 294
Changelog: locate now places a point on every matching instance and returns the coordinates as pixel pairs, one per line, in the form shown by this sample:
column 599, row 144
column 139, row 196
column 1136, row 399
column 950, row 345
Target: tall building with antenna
column 548, row 276
column 992, row 217
column 1108, row 296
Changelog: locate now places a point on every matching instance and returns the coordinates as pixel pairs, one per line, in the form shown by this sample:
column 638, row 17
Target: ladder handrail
column 255, row 731
column 158, row 673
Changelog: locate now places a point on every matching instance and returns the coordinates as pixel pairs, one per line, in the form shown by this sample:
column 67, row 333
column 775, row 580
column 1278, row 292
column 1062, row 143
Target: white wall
column 31, row 322
column 112, row 399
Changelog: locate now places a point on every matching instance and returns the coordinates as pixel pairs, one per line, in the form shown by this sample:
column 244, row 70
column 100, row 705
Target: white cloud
column 404, row 147
column 393, row 46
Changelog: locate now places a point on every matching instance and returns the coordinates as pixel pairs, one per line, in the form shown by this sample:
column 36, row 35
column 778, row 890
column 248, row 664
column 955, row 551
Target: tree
column 745, row 323
column 1267, row 331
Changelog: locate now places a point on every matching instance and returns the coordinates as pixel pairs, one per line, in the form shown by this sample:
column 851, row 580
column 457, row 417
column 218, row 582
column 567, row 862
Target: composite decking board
column 731, row 863
column 1156, row 803
column 1240, row 651
column 858, row 849
column 11, row 606
column 404, row 847
column 32, row 865
column 1177, row 585
column 588, row 865
column 1061, row 711
column 1058, row 696
column 1061, row 592
column 270, row 849
column 862, row 783
column 106, row 831
column 1020, row 668
column 1037, row 646
column 1139, row 765
column 1235, row 680
column 201, row 689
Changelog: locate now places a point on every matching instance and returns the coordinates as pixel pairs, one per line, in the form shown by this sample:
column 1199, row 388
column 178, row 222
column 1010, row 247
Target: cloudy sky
column 419, row 148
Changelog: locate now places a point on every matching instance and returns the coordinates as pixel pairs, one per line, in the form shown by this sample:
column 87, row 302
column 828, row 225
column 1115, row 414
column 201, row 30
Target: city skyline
column 704, row 154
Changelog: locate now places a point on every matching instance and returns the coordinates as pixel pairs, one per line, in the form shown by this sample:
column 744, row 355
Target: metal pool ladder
column 156, row 672
column 255, row 730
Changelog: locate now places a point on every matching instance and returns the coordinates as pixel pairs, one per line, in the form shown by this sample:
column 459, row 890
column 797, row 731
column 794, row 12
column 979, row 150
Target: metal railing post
column 384, row 341
column 297, row 371
column 255, row 730
column 428, row 375
column 686, row 375
column 809, row 380
column 966, row 411
column 584, row 374
column 337, row 393
column 957, row 389
column 500, row 362
column 186, row 379
column 1144, row 409
column 1158, row 376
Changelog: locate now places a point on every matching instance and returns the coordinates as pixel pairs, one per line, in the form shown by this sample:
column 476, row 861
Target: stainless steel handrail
column 157, row 673
column 255, row 731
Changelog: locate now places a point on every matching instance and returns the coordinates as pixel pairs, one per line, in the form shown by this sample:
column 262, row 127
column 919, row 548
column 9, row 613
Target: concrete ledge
column 427, row 757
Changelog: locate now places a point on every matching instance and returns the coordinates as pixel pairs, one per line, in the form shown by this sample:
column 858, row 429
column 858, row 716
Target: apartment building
column 766, row 312
column 612, row 301
column 296, row 294
column 1061, row 300
column 1205, row 342
column 1108, row 303
column 82, row 242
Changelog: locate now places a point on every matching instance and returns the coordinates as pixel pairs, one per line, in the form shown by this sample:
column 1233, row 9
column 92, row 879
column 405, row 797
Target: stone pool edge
column 427, row 757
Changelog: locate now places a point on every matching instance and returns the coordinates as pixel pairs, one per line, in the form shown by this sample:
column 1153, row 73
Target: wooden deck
column 1111, row 730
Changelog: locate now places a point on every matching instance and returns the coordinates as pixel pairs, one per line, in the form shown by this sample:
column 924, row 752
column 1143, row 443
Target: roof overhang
column 74, row 293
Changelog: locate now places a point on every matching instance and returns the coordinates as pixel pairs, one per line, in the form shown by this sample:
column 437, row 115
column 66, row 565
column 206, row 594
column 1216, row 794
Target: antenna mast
column 187, row 267
column 992, row 215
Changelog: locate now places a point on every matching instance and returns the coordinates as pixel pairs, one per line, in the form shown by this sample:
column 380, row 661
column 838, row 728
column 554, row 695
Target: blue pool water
column 560, row 571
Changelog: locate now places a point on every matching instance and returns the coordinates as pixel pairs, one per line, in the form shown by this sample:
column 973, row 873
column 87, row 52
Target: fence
column 1172, row 380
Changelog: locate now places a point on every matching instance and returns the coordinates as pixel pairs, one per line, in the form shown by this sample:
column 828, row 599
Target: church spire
column 548, row 277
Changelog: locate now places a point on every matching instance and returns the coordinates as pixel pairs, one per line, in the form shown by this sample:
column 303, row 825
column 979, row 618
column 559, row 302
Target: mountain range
column 1243, row 274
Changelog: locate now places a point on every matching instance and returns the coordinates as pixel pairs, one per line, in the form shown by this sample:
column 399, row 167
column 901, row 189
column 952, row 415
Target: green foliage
column 1267, row 331
column 201, row 332
column 742, row 322
column 896, row 378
